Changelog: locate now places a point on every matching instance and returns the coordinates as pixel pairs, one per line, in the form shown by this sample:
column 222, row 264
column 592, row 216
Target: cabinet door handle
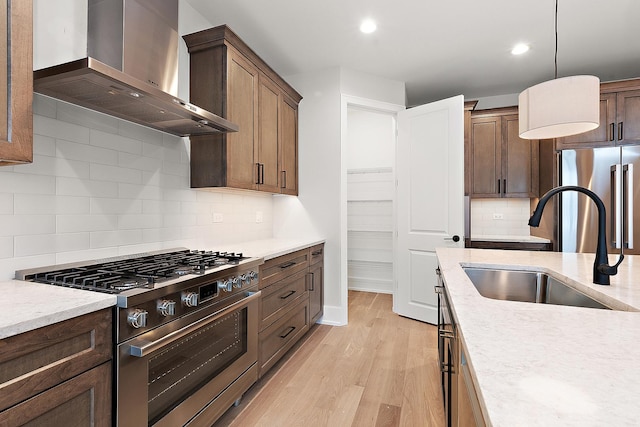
column 611, row 131
column 284, row 180
column 258, row 173
column 313, row 282
column 287, row 295
column 498, row 186
column 262, row 174
column 287, row 265
column 504, row 186
column 289, row 330
column 620, row 137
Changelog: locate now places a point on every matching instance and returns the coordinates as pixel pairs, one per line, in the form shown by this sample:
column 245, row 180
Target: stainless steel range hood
column 131, row 69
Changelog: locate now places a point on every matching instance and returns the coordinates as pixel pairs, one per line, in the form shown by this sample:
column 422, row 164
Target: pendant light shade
column 559, row 107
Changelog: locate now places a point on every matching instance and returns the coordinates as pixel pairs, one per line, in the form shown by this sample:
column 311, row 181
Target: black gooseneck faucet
column 601, row 268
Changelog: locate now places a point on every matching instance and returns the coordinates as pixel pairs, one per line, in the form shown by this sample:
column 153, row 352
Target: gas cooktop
column 115, row 275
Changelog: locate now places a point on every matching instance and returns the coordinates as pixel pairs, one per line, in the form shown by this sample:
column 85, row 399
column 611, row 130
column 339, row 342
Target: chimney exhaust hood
column 131, row 69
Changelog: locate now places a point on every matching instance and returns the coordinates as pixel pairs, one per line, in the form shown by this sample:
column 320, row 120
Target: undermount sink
column 527, row 286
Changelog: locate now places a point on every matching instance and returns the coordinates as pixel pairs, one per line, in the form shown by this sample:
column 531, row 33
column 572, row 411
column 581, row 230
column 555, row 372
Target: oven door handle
column 143, row 348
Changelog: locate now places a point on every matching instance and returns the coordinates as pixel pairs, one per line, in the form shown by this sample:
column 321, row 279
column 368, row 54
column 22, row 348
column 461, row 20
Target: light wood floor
column 380, row 370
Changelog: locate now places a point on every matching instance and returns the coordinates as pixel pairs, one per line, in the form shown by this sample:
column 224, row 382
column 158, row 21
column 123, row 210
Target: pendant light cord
column 556, row 53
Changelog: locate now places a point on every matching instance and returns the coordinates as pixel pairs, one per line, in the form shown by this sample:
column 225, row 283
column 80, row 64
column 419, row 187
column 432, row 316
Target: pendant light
column 559, row 107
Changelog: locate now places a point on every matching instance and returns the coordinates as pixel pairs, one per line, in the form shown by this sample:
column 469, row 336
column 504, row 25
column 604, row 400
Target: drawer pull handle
column 287, row 295
column 287, row 265
column 289, row 330
column 316, row 253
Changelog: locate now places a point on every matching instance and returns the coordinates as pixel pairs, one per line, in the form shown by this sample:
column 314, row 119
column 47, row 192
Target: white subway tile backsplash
column 111, row 206
column 136, row 161
column 6, row 203
column 11, row 182
column 44, row 145
column 82, row 187
column 114, row 173
column 144, row 192
column 514, row 222
column 101, row 187
column 6, row 247
column 179, row 220
column 141, row 133
column 79, row 223
column 86, row 153
column 115, row 142
column 87, row 118
column 105, row 239
column 60, row 130
column 50, row 243
column 16, row 225
column 140, row 221
column 30, row 204
column 54, row 166
column 44, row 106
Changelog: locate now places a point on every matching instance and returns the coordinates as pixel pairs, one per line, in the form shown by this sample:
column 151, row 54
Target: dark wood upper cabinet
column 16, row 73
column 619, row 118
column 229, row 79
column 500, row 163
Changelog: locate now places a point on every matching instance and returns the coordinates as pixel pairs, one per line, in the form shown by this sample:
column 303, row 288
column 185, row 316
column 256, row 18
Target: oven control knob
column 166, row 307
column 237, row 283
column 253, row 275
column 245, row 279
column 190, row 299
column 225, row 285
column 137, row 318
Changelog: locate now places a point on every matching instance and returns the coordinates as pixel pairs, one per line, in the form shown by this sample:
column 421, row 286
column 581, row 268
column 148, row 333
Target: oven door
column 168, row 375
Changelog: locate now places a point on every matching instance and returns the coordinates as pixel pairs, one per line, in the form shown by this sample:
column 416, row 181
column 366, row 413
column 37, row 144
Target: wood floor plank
column 380, row 370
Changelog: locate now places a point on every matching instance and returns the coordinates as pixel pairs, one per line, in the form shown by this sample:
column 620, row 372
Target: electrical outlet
column 217, row 217
column 498, row 216
column 259, row 217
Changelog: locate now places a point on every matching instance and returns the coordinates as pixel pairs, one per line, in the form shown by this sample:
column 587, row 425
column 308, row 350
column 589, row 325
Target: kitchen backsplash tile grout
column 101, row 187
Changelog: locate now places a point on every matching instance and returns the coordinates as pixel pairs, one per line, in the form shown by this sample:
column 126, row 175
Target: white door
column 430, row 200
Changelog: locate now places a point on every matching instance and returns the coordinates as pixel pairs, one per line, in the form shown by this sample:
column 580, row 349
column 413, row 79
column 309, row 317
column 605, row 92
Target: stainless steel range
column 186, row 328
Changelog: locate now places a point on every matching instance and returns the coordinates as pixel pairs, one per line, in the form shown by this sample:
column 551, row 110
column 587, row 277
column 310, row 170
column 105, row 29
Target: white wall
column 321, row 206
column 370, row 139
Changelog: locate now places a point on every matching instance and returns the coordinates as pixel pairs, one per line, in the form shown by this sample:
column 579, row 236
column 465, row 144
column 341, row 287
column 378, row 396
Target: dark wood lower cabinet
column 84, row 400
column 58, row 375
column 292, row 301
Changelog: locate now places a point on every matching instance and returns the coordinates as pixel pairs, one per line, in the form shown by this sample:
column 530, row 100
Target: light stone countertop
column 25, row 306
column 272, row 248
column 547, row 365
column 508, row 238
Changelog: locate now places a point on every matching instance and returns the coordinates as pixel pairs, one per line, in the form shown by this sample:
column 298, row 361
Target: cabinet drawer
column 278, row 297
column 81, row 401
column 316, row 254
column 278, row 268
column 37, row 360
column 278, row 338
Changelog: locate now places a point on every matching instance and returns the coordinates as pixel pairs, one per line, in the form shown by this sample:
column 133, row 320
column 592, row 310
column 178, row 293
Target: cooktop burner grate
column 137, row 272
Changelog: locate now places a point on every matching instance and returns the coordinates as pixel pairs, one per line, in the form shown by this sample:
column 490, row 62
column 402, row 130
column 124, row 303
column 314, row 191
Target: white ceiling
column 440, row 48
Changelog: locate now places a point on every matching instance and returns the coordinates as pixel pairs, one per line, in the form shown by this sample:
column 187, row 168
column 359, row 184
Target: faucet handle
column 610, row 270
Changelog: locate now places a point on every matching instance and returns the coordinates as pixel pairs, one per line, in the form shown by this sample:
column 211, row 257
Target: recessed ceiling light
column 519, row 49
column 368, row 26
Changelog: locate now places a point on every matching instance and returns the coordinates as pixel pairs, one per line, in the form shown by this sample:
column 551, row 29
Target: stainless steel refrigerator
column 613, row 174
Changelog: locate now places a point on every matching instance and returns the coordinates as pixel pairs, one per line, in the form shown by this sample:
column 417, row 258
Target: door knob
column 455, row 238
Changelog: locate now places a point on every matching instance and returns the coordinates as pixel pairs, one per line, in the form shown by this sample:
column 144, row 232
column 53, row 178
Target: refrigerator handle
column 616, row 232
column 628, row 204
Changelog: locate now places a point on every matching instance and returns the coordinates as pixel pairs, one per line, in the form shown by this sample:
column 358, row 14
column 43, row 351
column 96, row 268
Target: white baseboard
column 334, row 316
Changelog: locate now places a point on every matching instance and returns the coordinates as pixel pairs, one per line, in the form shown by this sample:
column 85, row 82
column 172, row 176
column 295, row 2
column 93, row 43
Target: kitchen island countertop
column 547, row 365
